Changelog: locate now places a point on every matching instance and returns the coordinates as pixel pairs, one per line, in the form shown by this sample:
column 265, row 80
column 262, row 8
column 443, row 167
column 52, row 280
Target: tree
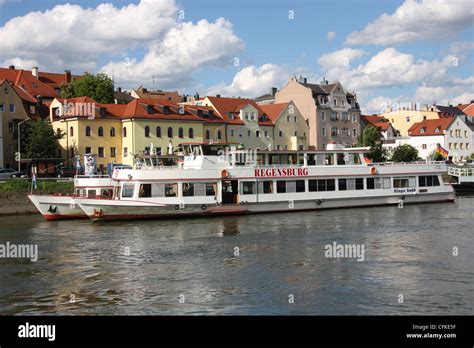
column 39, row 140
column 98, row 87
column 370, row 136
column 405, row 153
column 377, row 154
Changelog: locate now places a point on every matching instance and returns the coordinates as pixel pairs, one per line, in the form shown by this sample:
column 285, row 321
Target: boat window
column 320, row 160
column 127, row 190
column 329, row 159
column 428, row 180
column 321, row 185
column 260, row 159
column 378, row 183
column 340, row 159
column 301, row 159
column 91, row 193
column 359, row 183
column 145, row 190
column 281, row 186
column 300, row 186
column 188, row 189
column 211, row 188
column 356, row 158
column 265, row 187
column 106, row 193
column 311, row 159
column 404, row 182
column 171, row 190
column 351, row 184
column 199, row 189
column 248, row 187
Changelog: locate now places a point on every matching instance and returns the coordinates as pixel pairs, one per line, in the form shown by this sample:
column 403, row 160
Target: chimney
column 196, row 96
column 302, row 79
column 68, row 75
column 324, row 81
column 273, row 90
column 218, row 95
column 472, row 101
column 119, row 89
column 34, row 71
column 11, row 67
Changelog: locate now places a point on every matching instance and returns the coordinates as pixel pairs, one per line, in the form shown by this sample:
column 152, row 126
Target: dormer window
column 181, row 110
column 422, row 130
column 264, row 118
column 149, row 109
column 437, row 130
column 231, row 116
column 166, row 109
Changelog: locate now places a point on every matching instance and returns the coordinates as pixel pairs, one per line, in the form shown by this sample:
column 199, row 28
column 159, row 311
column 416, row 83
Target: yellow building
column 88, row 127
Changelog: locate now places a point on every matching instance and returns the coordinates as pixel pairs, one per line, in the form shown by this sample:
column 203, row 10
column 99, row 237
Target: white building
column 452, row 133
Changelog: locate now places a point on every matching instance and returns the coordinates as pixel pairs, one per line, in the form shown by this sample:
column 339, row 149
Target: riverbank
column 14, row 199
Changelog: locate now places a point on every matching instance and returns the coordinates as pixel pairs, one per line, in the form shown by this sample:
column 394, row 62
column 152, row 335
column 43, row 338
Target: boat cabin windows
column 156, row 190
column 248, row 188
column 127, row 190
column 351, row 184
column 428, row 180
column 106, row 193
column 404, row 182
column 321, row 185
column 329, row 159
column 191, row 189
column 378, row 183
column 290, row 186
column 265, row 187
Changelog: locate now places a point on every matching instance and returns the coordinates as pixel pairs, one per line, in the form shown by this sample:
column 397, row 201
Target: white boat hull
column 55, row 207
column 100, row 209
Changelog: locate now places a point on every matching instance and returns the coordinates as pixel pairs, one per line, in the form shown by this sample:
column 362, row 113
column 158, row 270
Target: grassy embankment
column 43, row 185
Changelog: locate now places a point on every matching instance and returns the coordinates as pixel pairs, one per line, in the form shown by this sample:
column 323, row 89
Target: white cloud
column 20, row 63
column 389, row 68
column 253, row 81
column 342, row 57
column 417, row 20
column 72, row 36
column 459, row 91
column 331, row 35
column 184, row 48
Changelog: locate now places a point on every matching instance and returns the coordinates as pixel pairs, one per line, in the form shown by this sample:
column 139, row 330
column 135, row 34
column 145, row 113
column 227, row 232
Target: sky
column 387, row 52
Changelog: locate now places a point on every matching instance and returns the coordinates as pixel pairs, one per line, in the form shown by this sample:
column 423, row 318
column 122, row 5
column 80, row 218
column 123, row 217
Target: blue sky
column 401, row 51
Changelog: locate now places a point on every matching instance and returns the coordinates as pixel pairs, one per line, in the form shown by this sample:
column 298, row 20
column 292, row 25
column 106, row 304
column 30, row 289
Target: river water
column 260, row 264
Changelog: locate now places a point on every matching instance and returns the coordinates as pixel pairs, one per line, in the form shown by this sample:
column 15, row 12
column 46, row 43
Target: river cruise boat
column 213, row 180
column 58, row 206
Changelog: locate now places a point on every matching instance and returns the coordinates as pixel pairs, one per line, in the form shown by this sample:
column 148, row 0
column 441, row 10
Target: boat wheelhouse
column 213, row 179
column 58, row 206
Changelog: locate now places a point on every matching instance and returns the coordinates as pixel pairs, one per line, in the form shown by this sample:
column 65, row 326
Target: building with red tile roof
column 381, row 123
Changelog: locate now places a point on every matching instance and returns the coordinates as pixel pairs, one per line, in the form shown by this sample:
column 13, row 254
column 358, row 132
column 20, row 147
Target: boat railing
column 98, row 176
column 459, row 171
column 416, row 163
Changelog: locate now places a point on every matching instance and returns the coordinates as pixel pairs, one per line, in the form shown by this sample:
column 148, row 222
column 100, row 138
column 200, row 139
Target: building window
column 423, row 146
column 124, row 132
column 1, row 107
column 71, row 151
column 170, row 132
column 334, row 131
column 249, row 134
column 88, row 131
column 147, row 131
column 112, row 152
column 257, row 134
column 266, row 134
column 408, row 119
column 158, row 132
column 112, row 131
column 354, row 119
column 12, row 107
column 219, row 134
column 335, row 102
column 191, row 133
column 71, row 131
column 101, row 152
column 180, row 132
column 32, row 109
column 280, row 133
column 231, row 132
column 208, row 134
column 323, row 116
column 354, row 132
column 100, row 132
column 125, row 151
column 288, row 119
column 241, row 133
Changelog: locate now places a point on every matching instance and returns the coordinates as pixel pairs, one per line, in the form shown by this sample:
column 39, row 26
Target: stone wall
column 16, row 203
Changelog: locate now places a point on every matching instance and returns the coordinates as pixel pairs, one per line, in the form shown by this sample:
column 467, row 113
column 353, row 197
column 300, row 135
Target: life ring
column 203, row 207
column 224, row 174
column 373, row 170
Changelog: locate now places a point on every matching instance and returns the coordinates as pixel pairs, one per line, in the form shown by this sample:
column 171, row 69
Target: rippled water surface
column 407, row 251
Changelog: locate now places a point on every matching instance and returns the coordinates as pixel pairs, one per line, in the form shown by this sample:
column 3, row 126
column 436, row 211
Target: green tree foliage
column 98, row 87
column 405, row 153
column 370, row 137
column 39, row 140
column 377, row 154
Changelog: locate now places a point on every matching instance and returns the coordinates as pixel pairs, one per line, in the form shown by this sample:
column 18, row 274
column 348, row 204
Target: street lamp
column 19, row 152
